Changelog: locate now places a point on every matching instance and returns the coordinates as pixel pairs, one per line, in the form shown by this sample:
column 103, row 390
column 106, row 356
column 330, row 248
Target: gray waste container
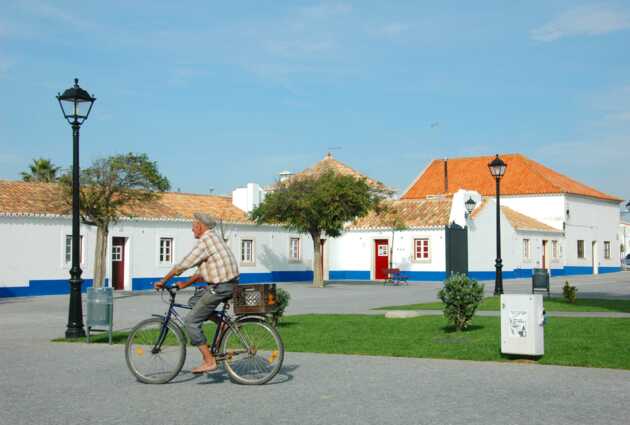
column 540, row 281
column 100, row 311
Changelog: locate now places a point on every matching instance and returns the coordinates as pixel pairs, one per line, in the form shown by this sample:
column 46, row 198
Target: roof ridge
column 528, row 162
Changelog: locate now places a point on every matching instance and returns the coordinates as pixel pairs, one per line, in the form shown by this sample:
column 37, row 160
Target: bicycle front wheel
column 253, row 352
column 154, row 358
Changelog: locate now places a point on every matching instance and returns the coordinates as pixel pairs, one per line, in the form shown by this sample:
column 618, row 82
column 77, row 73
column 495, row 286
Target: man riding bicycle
column 217, row 266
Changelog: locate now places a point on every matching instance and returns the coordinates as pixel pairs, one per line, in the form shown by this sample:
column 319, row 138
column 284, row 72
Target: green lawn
column 551, row 304
column 591, row 342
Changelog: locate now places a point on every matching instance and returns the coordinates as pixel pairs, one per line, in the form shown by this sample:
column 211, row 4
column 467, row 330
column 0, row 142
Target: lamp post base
column 75, row 312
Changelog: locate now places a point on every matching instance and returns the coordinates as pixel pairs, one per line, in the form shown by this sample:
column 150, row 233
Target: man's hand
column 159, row 284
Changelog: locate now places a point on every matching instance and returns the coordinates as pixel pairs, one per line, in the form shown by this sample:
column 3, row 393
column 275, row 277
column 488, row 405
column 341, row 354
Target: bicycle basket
column 258, row 299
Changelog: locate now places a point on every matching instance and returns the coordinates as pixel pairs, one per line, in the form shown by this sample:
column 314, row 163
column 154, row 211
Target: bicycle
column 249, row 348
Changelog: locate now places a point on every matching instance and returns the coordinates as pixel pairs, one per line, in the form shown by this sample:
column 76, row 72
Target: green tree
column 318, row 205
column 394, row 219
column 41, row 170
column 110, row 187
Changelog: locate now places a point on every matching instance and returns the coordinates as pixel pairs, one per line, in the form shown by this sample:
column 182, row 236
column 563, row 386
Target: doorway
column 595, row 257
column 381, row 258
column 544, row 254
column 118, row 262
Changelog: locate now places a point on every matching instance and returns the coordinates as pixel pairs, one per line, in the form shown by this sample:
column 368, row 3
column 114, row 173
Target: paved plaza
column 60, row 383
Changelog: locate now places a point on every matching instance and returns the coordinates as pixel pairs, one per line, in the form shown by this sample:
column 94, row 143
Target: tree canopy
column 41, row 170
column 318, row 205
column 107, row 187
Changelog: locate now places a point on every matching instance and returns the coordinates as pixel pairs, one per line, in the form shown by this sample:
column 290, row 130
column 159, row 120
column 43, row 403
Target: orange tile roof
column 522, row 177
column 414, row 213
column 18, row 198
column 330, row 163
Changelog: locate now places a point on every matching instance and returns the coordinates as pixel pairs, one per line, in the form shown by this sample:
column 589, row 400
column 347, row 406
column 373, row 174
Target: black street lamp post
column 497, row 169
column 76, row 105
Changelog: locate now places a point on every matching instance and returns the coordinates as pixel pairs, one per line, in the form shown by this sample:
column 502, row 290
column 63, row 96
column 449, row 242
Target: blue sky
column 224, row 93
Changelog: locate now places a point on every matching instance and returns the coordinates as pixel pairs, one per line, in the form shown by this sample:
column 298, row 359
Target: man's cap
column 205, row 219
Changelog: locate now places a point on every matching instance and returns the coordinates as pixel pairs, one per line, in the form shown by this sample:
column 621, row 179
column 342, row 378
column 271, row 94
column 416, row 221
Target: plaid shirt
column 213, row 258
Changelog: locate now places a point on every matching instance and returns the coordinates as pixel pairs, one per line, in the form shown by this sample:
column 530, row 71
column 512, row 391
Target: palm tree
column 41, row 170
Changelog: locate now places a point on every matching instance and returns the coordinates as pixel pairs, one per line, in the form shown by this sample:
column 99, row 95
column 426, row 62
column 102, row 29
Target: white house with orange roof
column 35, row 228
column 558, row 223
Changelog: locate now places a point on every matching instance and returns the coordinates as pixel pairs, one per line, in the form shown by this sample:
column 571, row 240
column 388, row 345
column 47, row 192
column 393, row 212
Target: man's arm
column 197, row 255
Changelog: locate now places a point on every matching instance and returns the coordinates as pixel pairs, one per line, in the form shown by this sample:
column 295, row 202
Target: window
column 247, row 251
column 580, row 248
column 554, row 249
column 526, row 249
column 166, row 250
column 294, row 249
column 421, row 249
column 607, row 250
column 69, row 249
column 117, row 253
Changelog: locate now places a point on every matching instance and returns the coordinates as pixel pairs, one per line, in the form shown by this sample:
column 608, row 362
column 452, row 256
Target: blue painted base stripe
column 348, row 275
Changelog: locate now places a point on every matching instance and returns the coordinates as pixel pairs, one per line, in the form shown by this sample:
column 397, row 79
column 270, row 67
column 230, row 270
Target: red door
column 544, row 257
column 118, row 263
column 381, row 258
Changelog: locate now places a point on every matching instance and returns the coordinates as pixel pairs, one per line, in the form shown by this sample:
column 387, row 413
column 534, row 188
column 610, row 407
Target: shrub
column 569, row 292
column 461, row 297
column 282, row 297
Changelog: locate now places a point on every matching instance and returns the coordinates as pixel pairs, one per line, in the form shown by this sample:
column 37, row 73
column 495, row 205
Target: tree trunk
column 318, row 273
column 100, row 257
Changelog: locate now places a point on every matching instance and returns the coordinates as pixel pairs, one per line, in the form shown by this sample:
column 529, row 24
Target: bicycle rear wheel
column 148, row 360
column 253, row 352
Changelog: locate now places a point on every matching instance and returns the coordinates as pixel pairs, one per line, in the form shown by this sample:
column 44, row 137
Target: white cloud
column 583, row 20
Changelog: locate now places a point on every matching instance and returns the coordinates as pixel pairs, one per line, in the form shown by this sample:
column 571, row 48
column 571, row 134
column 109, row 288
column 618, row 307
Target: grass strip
column 551, row 304
column 588, row 342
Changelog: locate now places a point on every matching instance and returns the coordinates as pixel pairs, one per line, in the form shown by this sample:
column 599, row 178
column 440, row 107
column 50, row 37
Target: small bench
column 395, row 277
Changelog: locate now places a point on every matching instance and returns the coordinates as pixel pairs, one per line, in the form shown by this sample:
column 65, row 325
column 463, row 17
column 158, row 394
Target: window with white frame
column 247, row 251
column 580, row 248
column 554, row 250
column 527, row 249
column 166, row 250
column 607, row 250
column 294, row 249
column 421, row 249
column 117, row 253
column 68, row 249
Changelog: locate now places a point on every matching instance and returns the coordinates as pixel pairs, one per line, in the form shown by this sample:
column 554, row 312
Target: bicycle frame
column 220, row 317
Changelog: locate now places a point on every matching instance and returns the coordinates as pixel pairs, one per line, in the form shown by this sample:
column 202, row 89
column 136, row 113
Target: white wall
column 549, row 209
column 458, row 207
column 482, row 241
column 624, row 237
column 33, row 248
column 249, row 197
column 354, row 250
column 591, row 220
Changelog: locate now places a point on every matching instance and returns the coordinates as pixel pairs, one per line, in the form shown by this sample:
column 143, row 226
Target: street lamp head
column 497, row 167
column 75, row 103
column 470, row 205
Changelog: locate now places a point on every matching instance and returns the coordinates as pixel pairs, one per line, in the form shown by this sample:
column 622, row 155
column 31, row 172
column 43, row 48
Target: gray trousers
column 202, row 308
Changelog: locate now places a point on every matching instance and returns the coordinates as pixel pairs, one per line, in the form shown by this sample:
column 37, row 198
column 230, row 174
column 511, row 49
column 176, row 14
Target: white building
column 581, row 220
column 36, row 229
column 547, row 221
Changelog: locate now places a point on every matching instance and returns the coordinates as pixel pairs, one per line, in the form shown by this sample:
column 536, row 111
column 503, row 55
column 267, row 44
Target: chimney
column 445, row 175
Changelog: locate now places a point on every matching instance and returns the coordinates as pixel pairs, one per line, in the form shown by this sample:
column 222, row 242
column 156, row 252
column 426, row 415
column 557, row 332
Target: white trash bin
column 522, row 324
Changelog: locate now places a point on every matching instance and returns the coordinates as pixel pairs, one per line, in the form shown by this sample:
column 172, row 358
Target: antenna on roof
column 332, row 148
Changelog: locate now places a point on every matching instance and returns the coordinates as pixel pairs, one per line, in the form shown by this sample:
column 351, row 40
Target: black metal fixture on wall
column 76, row 105
column 470, row 206
column 497, row 169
